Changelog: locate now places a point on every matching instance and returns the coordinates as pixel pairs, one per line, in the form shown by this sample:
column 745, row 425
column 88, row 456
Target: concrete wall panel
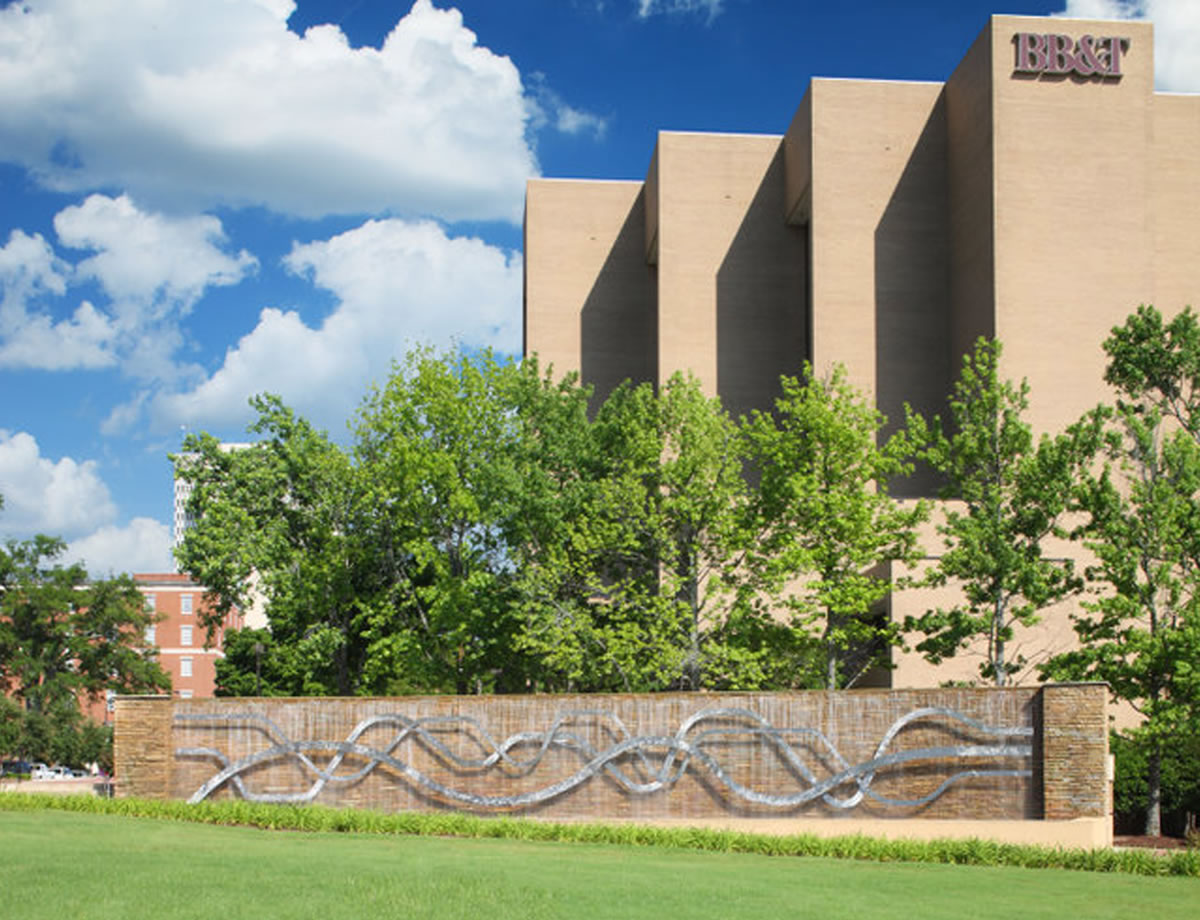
column 1175, row 180
column 1073, row 213
column 589, row 294
column 731, row 272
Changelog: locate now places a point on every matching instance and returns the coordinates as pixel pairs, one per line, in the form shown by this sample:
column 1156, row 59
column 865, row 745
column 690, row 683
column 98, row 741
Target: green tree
column 1179, row 777
column 285, row 516
column 253, row 665
column 1008, row 495
column 1141, row 630
column 63, row 638
column 387, row 566
column 635, row 594
column 438, row 447
column 826, row 531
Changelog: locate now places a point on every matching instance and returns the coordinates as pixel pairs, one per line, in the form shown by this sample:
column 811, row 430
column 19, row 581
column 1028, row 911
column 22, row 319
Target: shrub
column 1180, row 783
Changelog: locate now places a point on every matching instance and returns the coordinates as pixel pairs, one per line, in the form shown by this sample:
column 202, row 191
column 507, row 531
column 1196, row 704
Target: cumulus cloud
column 32, row 276
column 397, row 284
column 648, row 8
column 187, row 105
column 38, row 342
column 149, row 262
column 143, row 545
column 67, row 498
column 1176, row 35
column 151, row 267
column 64, row 497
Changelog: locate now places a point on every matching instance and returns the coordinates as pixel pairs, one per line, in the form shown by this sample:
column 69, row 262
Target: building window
column 185, row 603
column 151, row 635
column 150, row 600
column 185, row 694
column 185, row 635
column 185, row 667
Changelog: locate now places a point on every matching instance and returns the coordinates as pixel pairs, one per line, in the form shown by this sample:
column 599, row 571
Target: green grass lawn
column 63, row 865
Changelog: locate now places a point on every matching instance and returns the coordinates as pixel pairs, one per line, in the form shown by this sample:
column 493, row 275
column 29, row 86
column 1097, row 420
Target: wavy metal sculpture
column 660, row 759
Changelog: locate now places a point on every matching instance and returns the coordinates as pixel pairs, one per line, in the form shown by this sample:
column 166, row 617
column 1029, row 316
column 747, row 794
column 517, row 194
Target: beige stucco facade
column 891, row 225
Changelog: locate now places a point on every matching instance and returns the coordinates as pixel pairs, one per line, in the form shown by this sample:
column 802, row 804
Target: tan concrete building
column 1038, row 195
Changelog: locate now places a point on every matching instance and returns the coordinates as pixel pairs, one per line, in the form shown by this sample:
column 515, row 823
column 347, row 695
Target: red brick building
column 180, row 636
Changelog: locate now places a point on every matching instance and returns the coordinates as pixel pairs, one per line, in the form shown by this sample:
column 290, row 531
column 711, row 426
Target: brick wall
column 1074, row 751
column 948, row 753
column 143, row 745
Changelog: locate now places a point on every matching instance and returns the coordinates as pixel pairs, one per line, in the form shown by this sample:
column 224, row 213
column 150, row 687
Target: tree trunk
column 342, row 663
column 1001, row 675
column 1154, row 792
column 689, row 593
column 831, row 661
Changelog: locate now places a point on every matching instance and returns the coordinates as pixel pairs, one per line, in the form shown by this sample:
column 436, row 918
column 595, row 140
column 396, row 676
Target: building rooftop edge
column 889, row 80
column 164, row 578
column 763, row 134
column 579, row 179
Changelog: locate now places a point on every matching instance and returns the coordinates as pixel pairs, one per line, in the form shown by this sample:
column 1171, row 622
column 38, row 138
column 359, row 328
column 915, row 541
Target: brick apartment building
column 179, row 635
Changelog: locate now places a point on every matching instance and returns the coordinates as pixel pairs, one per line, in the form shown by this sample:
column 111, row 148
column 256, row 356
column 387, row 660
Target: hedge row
column 971, row 852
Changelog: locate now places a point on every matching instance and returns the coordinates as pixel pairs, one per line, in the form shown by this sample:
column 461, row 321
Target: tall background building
column 1037, row 196
column 180, row 519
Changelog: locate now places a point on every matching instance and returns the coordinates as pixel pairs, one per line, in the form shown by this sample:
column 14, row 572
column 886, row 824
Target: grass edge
column 321, row 818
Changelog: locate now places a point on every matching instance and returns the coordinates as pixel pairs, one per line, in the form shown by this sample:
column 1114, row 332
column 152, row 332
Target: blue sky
column 203, row 201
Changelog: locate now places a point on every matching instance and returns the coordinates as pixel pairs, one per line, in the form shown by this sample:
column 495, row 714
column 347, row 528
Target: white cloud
column 187, row 104
column 1176, row 35
column 65, row 497
column 28, row 266
column 38, row 342
column 548, row 107
column 143, row 545
column 647, row 8
column 151, row 267
column 30, row 275
column 397, row 284
column 575, row 121
column 152, row 262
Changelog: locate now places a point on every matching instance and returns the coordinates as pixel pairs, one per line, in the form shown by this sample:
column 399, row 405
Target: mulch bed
column 1153, row 843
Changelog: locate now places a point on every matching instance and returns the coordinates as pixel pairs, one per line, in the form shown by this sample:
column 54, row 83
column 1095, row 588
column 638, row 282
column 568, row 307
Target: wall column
column 1075, row 751
column 143, row 748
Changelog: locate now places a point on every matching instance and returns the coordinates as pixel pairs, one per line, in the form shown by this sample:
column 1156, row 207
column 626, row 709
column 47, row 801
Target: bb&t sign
column 1061, row 54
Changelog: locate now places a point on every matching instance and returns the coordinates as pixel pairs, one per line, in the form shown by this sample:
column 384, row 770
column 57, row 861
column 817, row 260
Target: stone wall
column 1022, row 753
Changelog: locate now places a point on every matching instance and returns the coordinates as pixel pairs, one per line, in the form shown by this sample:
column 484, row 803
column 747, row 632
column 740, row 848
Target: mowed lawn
column 63, row 865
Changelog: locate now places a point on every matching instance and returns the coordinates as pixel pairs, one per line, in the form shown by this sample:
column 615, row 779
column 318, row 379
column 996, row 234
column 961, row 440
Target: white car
column 40, row 771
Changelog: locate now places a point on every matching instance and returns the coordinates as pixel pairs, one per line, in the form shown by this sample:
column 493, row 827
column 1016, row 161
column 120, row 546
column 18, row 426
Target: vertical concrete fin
column 971, row 193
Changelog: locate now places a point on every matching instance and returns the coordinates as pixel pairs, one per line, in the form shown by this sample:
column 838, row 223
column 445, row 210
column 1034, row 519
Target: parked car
column 40, row 771
column 16, row 768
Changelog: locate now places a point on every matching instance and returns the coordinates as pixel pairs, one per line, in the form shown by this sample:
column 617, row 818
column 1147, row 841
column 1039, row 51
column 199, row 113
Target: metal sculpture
column 640, row 765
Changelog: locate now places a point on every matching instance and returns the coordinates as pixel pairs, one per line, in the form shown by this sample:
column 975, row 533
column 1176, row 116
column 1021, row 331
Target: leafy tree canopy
column 1008, row 495
column 64, row 639
column 1140, row 629
column 826, row 531
column 481, row 532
